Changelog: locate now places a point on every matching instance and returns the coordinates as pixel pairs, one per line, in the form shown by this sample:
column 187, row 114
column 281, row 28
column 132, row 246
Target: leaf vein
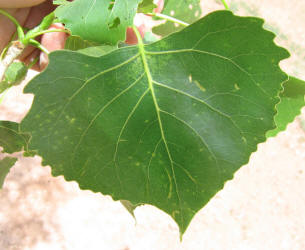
column 101, row 111
column 215, row 55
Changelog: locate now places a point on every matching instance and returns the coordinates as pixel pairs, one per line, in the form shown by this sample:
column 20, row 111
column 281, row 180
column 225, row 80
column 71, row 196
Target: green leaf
column 89, row 48
column 4, row 85
column 185, row 10
column 292, row 101
column 5, row 166
column 16, row 72
column 147, row 6
column 14, row 75
column 11, row 139
column 98, row 20
column 165, row 124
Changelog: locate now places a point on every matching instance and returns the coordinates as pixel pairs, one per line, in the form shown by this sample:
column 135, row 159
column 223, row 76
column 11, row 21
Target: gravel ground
column 262, row 208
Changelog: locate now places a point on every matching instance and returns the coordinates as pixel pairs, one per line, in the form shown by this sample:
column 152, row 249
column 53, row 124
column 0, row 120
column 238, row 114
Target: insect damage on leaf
column 292, row 101
column 100, row 21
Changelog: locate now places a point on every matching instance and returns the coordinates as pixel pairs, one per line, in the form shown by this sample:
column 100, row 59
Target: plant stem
column 13, row 19
column 48, row 31
column 3, row 53
column 138, row 35
column 12, row 53
column 169, row 18
column 225, row 4
column 39, row 46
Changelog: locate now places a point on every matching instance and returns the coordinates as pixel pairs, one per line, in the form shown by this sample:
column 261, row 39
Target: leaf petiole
column 225, row 4
column 48, row 31
column 168, row 18
column 43, row 26
column 39, row 46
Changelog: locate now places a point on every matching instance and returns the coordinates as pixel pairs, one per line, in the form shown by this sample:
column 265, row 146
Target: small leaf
column 185, row 10
column 11, row 139
column 98, row 20
column 14, row 75
column 5, row 166
column 165, row 124
column 147, row 6
column 292, row 101
column 75, row 43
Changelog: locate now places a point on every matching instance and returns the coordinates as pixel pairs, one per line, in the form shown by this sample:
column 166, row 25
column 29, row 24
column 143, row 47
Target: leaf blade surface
column 101, row 21
column 185, row 10
column 165, row 124
column 5, row 166
column 11, row 139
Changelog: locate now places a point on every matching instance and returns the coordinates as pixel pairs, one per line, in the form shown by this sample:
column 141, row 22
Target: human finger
column 19, row 3
column 37, row 13
column 8, row 28
column 52, row 41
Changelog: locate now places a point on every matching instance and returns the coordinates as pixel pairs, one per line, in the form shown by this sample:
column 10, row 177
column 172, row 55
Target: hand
column 29, row 14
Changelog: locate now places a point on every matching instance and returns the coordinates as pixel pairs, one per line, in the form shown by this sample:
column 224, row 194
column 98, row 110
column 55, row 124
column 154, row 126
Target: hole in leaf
column 172, row 12
column 190, row 6
column 115, row 23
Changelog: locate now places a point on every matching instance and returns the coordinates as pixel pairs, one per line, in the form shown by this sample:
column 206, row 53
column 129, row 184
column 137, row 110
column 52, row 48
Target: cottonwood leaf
column 184, row 10
column 101, row 21
column 292, row 101
column 11, row 139
column 165, row 124
column 5, row 166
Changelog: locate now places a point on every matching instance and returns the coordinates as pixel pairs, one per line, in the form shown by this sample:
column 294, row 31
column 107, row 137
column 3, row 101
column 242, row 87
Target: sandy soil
column 261, row 209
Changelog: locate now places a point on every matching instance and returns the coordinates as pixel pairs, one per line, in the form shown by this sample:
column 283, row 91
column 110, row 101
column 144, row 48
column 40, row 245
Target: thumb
column 19, row 3
column 52, row 41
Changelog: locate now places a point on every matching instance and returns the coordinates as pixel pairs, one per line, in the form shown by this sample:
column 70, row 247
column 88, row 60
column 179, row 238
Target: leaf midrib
column 158, row 110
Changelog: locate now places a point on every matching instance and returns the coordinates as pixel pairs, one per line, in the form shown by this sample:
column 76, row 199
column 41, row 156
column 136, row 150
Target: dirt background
column 262, row 208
